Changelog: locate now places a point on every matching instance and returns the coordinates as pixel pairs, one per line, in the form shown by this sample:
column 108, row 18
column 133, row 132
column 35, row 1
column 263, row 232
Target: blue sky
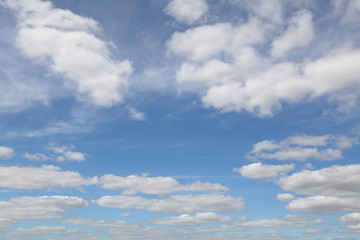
column 181, row 119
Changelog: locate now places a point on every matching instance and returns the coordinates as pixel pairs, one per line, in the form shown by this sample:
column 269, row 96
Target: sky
column 179, row 119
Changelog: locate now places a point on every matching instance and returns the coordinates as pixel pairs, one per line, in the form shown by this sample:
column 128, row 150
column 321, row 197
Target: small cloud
column 135, row 114
column 38, row 157
column 6, row 152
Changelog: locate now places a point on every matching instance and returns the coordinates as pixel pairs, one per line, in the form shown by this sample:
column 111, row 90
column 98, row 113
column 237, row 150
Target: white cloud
column 66, row 42
column 175, row 203
column 41, row 177
column 285, row 221
column 187, row 11
column 350, row 218
column 136, row 114
column 299, row 148
column 285, row 197
column 192, row 220
column 268, row 10
column 47, row 231
column 36, row 157
column 332, row 181
column 5, row 223
column 6, row 152
column 312, row 231
column 66, row 153
column 260, row 171
column 348, row 10
column 154, row 185
column 44, row 207
column 123, row 230
column 299, row 33
column 324, row 204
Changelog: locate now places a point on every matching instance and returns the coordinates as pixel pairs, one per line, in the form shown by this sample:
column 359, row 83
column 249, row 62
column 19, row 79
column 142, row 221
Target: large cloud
column 175, row 203
column 66, row 43
column 154, row 185
column 44, row 207
column 324, row 204
column 332, row 181
column 42, row 177
column 223, row 61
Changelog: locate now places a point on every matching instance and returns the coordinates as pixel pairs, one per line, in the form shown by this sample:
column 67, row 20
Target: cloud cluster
column 302, row 148
column 66, row 42
column 330, row 190
column 222, row 62
column 63, row 153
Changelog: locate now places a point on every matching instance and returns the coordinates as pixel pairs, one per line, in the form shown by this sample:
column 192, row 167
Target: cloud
column 5, row 223
column 285, row 221
column 41, row 177
column 36, row 157
column 66, row 154
column 187, row 11
column 260, row 171
column 332, row 181
column 208, row 41
column 6, row 152
column 43, row 231
column 66, row 43
column 135, row 114
column 313, row 231
column 44, row 207
column 175, row 203
column 347, row 10
column 285, row 197
column 350, row 218
column 124, row 230
column 324, row 204
column 300, row 148
column 154, row 185
column 224, row 62
column 299, row 33
column 188, row 220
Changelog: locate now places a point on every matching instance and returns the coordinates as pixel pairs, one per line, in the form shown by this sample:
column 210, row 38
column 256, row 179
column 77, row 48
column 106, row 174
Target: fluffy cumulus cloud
column 6, row 152
column 154, row 185
column 192, row 220
column 135, row 114
column 222, row 61
column 332, row 181
column 324, row 204
column 187, row 11
column 175, row 203
column 302, row 148
column 259, row 170
column 330, row 190
column 41, row 177
column 66, row 42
